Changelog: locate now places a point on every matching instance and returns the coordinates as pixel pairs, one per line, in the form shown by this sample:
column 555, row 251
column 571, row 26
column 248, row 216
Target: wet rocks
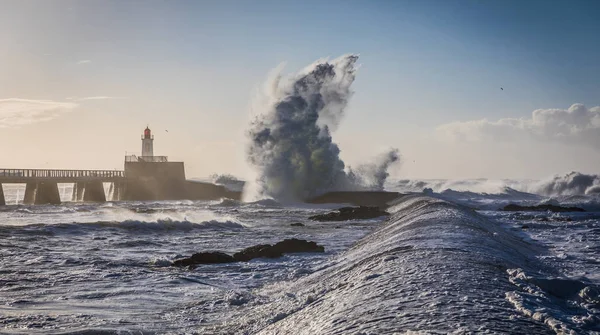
column 277, row 250
column 541, row 208
column 205, row 258
column 351, row 213
column 257, row 251
column 287, row 246
column 293, row 245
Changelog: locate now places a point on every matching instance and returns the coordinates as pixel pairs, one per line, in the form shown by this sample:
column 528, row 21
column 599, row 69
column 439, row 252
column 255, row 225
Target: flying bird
column 502, row 88
column 166, row 130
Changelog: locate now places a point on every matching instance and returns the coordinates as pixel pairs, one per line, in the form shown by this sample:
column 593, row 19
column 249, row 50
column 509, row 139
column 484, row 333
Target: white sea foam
column 434, row 266
column 429, row 269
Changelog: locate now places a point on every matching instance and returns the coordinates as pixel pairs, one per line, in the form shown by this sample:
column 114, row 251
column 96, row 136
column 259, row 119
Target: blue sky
column 193, row 67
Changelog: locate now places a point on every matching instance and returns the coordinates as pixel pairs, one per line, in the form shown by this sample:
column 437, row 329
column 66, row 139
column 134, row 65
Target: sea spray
column 291, row 144
column 372, row 176
column 573, row 183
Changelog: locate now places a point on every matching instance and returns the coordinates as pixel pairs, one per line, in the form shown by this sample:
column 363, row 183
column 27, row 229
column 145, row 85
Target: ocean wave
column 230, row 182
column 567, row 306
column 479, row 185
column 487, row 201
column 266, row 203
column 434, row 267
column 573, row 183
column 569, row 184
column 127, row 225
column 528, row 194
column 226, row 202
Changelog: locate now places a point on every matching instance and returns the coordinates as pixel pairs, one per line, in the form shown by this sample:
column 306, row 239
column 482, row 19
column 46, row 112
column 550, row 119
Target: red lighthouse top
column 147, row 133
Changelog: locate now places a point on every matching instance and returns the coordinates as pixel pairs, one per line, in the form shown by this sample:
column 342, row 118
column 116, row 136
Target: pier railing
column 146, row 159
column 24, row 175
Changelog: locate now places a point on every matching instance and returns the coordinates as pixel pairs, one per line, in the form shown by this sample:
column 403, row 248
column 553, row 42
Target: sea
column 447, row 260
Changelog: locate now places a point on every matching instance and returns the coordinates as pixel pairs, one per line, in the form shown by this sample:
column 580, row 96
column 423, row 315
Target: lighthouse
column 149, row 177
column 147, row 143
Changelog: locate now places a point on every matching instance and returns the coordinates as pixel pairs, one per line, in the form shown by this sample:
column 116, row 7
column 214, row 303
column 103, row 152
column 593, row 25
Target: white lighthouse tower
column 147, row 143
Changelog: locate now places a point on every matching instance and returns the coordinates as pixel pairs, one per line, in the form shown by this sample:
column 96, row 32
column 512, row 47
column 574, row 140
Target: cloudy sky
column 499, row 89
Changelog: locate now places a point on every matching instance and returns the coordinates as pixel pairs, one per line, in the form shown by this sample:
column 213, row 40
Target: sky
column 464, row 89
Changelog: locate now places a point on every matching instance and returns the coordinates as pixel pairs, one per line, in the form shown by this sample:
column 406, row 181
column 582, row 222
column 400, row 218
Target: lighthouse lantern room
column 147, row 143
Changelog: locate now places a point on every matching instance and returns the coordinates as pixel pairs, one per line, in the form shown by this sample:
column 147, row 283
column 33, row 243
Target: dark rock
column 257, row 251
column 274, row 251
column 525, row 226
column 204, row 258
column 297, row 224
column 356, row 198
column 351, row 213
column 295, row 245
column 541, row 208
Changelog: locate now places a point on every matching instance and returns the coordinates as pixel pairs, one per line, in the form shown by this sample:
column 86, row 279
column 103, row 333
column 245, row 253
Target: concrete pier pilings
column 94, row 192
column 2, row 200
column 116, row 191
column 30, row 191
column 41, row 193
column 78, row 189
column 91, row 191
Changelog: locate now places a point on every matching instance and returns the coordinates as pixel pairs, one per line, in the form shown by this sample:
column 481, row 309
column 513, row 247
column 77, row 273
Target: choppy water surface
column 85, row 266
column 434, row 266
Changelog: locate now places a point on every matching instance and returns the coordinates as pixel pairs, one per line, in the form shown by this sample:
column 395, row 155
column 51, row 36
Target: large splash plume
column 573, row 183
column 291, row 144
column 372, row 176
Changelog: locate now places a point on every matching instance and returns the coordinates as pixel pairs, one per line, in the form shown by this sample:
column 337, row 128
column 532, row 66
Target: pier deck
column 8, row 176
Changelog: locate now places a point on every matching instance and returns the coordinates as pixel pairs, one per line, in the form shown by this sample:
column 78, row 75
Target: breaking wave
column 231, row 182
column 567, row 185
column 434, row 267
column 136, row 226
column 291, row 144
column 573, row 183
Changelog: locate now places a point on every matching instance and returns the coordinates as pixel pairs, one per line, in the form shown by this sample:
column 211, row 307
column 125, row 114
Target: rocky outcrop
column 205, row 258
column 257, row 251
column 541, row 208
column 351, row 213
column 277, row 250
column 293, row 245
column 356, row 198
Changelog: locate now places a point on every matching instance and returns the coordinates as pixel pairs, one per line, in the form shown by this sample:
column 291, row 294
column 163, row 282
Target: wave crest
column 573, row 183
column 132, row 225
column 436, row 263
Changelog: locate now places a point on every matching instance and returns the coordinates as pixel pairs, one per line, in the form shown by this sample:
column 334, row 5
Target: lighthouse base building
column 150, row 177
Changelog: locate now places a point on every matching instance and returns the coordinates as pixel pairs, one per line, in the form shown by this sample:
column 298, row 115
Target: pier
column 41, row 185
column 144, row 178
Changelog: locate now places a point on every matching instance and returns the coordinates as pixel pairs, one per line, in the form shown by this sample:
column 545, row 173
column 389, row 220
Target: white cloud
column 84, row 61
column 100, row 97
column 18, row 112
column 576, row 125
